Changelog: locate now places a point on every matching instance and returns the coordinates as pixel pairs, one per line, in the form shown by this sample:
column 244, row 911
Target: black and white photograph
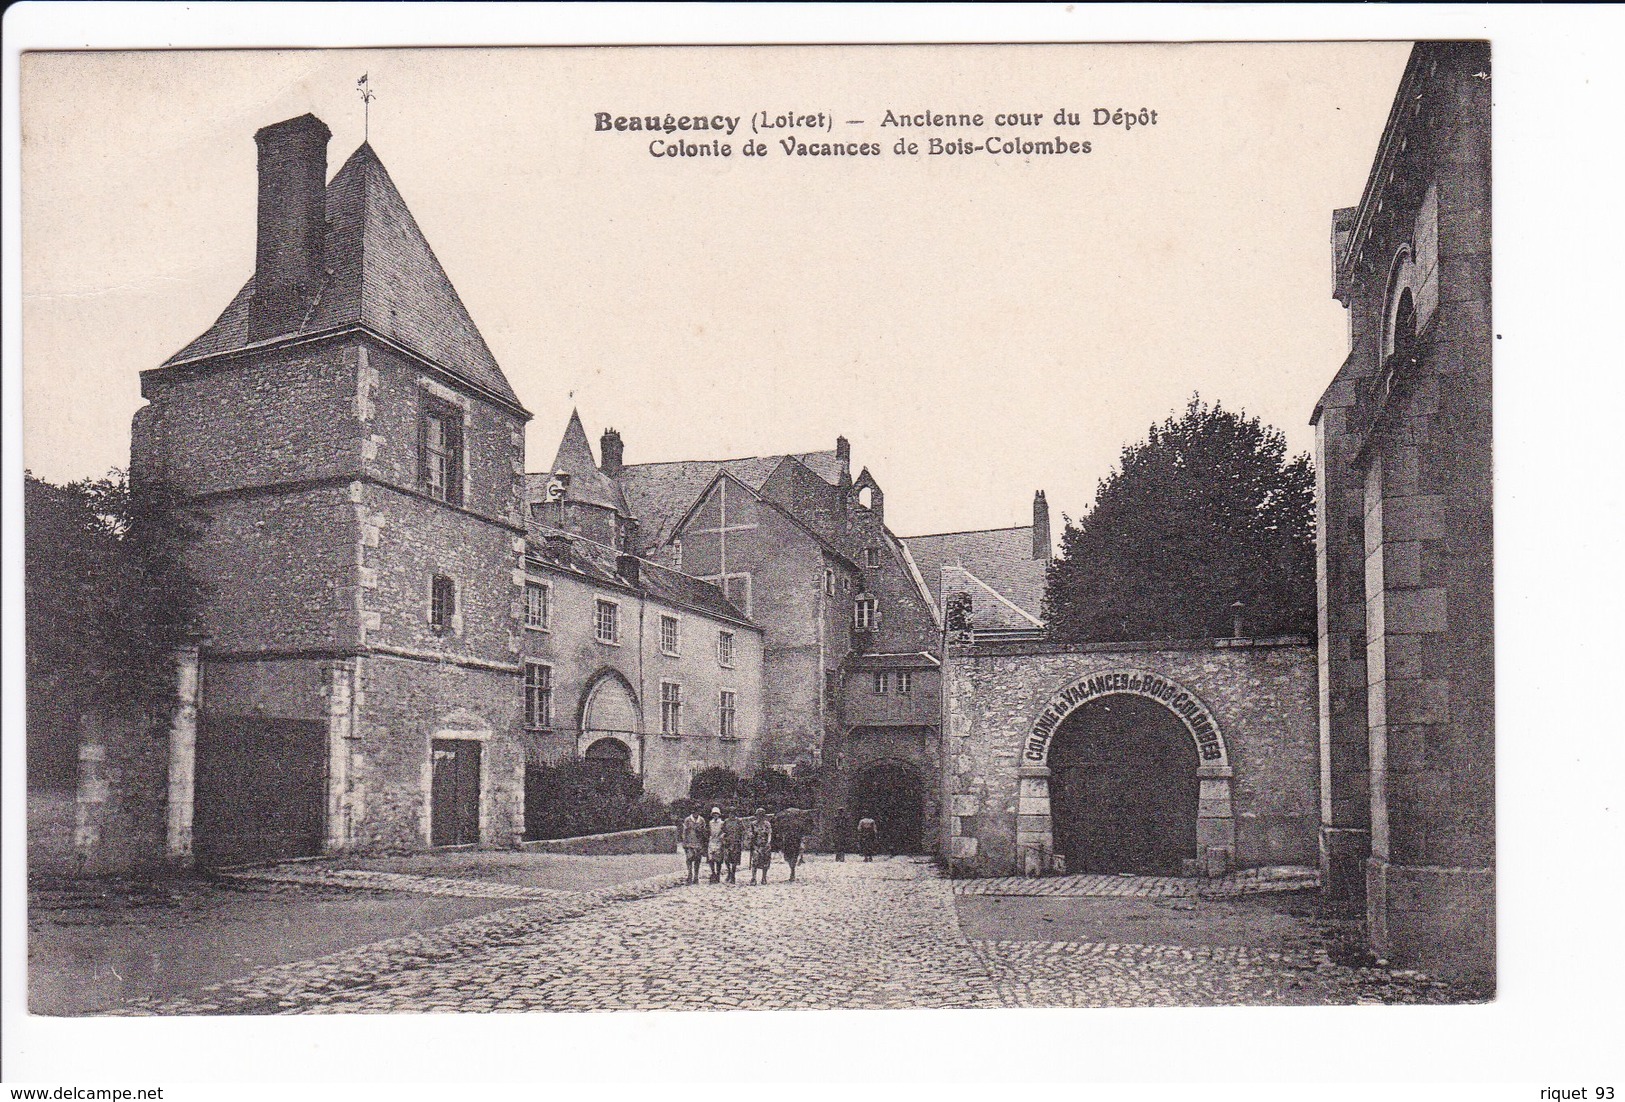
column 536, row 533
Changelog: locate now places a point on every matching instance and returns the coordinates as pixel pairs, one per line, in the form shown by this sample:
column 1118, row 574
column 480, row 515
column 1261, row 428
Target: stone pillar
column 1215, row 820
column 1345, row 798
column 182, row 757
column 341, row 730
column 1035, row 835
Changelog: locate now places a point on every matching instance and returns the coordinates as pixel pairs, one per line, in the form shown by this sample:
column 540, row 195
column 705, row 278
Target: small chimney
column 627, row 567
column 843, row 458
column 611, row 450
column 288, row 268
column 1041, row 544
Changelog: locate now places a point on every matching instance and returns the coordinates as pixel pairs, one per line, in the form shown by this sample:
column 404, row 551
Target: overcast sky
column 979, row 327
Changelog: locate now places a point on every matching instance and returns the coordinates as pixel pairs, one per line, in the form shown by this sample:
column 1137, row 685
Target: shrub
column 578, row 796
column 714, row 785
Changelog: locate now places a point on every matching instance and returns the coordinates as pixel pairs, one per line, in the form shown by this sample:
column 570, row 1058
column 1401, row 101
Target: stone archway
column 610, row 711
column 1215, row 822
column 893, row 793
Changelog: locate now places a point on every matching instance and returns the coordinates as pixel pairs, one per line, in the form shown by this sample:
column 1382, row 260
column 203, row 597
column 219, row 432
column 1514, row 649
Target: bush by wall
column 580, row 796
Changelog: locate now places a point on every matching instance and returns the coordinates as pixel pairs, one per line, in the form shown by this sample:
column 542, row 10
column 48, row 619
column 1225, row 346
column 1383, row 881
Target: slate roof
column 600, row 564
column 660, row 494
column 383, row 275
column 587, row 483
column 1000, row 558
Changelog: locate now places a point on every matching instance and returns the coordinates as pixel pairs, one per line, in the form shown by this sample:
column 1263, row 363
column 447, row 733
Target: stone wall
column 401, row 705
column 116, row 819
column 579, row 659
column 1260, row 799
column 621, row 842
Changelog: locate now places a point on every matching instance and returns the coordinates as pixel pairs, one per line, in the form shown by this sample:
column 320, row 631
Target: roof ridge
column 968, row 532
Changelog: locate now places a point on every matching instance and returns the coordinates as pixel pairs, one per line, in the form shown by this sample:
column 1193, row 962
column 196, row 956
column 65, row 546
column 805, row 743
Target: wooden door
column 454, row 799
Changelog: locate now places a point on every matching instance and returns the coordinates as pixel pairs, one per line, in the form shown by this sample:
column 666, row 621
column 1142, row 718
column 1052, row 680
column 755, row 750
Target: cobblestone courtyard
column 887, row 934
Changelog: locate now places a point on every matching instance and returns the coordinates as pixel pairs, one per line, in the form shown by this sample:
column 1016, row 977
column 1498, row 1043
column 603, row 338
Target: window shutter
column 423, row 450
column 454, row 458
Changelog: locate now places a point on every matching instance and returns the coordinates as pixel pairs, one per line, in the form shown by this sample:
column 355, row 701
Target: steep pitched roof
column 1000, row 559
column 383, row 275
column 659, row 494
column 587, row 483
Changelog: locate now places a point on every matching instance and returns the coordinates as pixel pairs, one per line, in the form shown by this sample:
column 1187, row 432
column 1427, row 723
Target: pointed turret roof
column 383, row 275
column 588, row 484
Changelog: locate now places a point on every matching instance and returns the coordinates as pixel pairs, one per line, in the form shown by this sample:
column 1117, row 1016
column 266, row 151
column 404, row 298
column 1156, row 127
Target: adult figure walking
column 868, row 837
column 792, row 825
column 733, row 842
column 713, row 844
column 761, row 844
column 693, row 837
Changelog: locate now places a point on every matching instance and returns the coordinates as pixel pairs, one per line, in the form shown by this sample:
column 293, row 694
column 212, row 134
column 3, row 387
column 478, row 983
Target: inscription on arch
column 1204, row 730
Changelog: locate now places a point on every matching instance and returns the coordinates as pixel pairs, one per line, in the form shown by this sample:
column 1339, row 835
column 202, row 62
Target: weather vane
column 366, row 105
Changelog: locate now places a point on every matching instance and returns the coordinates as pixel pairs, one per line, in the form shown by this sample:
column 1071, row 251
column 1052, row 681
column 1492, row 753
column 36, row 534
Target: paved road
column 854, row 935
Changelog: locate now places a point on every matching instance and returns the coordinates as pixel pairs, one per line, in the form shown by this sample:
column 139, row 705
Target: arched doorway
column 610, row 752
column 1124, row 788
column 892, row 794
column 610, row 719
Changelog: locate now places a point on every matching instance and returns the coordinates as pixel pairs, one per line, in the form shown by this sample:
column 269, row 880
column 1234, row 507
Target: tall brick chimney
column 611, row 453
column 1041, row 545
column 288, row 270
column 843, row 459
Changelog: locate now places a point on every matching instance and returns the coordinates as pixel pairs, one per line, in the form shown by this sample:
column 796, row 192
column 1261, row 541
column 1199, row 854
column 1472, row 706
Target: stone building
column 1405, row 568
column 851, row 637
column 368, row 671
column 626, row 660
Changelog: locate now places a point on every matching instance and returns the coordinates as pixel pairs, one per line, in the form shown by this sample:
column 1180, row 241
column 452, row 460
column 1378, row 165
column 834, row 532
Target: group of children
column 722, row 841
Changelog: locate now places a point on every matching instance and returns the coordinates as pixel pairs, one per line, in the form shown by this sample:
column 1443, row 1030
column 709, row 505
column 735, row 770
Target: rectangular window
column 880, row 681
column 905, row 682
column 607, row 622
column 538, row 696
column 871, row 558
column 726, row 715
column 866, row 614
column 537, row 605
column 677, row 554
column 440, row 451
column 671, row 708
column 442, row 603
column 669, row 635
column 725, row 648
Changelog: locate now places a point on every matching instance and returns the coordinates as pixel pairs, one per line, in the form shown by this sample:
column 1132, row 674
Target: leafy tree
column 1206, row 511
column 108, row 597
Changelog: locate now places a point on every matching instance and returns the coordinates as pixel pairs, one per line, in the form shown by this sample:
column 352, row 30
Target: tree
column 108, row 597
column 1206, row 511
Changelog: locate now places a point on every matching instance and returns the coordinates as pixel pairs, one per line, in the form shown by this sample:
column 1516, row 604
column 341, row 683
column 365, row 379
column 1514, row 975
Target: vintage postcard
column 515, row 530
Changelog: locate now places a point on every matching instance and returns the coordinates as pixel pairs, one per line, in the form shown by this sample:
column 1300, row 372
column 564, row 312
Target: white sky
column 978, row 327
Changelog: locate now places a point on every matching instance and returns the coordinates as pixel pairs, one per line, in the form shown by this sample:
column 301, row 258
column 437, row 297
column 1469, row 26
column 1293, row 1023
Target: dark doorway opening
column 260, row 789
column 454, row 800
column 892, row 795
column 610, row 755
column 1123, row 788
